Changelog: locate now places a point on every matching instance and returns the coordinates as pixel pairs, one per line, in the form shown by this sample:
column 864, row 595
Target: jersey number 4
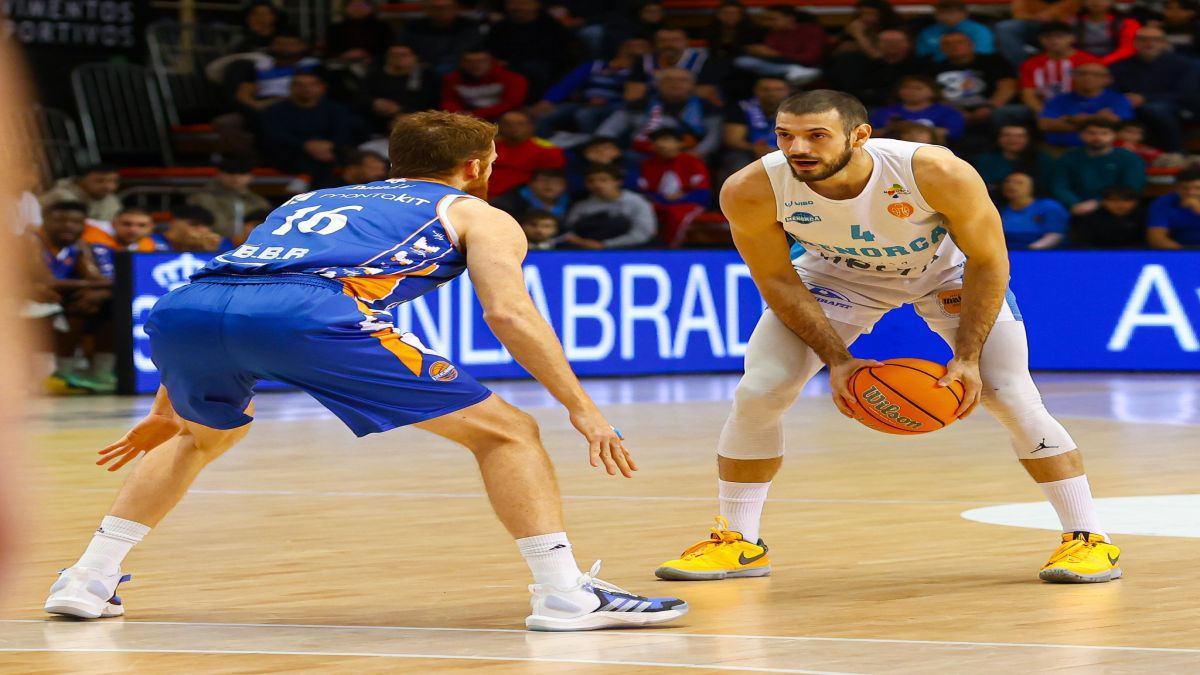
column 325, row 222
column 856, row 232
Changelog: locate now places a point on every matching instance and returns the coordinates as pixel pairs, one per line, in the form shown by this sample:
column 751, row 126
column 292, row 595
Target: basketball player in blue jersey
column 305, row 301
column 879, row 223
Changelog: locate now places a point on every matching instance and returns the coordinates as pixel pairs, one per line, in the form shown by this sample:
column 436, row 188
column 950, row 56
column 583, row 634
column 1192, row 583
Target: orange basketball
column 902, row 397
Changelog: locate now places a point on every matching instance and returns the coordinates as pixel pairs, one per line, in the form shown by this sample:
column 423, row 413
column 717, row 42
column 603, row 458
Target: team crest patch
column 950, row 302
column 896, row 190
column 900, row 209
column 442, row 371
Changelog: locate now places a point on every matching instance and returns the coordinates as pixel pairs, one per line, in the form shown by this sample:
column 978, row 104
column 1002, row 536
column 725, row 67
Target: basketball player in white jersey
column 882, row 223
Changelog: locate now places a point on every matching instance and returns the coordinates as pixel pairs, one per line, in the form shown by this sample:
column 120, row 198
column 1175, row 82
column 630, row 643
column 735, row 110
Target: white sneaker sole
column 82, row 608
column 600, row 620
column 1061, row 576
column 673, row 574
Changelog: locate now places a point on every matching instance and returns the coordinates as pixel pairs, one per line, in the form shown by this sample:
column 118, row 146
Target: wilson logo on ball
column 890, row 410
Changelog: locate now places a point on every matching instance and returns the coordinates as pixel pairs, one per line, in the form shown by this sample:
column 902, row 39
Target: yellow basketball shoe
column 723, row 555
column 1083, row 558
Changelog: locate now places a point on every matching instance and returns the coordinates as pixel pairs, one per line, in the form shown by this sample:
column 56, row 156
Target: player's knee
column 759, row 395
column 515, row 428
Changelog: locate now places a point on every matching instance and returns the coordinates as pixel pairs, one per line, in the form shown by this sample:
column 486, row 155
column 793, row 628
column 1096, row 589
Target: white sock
column 111, row 543
column 742, row 505
column 1072, row 500
column 550, row 559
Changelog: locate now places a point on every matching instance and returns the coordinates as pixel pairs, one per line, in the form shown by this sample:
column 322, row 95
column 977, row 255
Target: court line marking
column 476, row 657
column 480, row 495
column 792, row 638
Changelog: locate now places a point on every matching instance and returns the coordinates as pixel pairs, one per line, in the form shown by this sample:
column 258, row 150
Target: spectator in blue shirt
column 951, row 15
column 918, row 96
column 1082, row 174
column 1030, row 222
column 588, row 94
column 1174, row 221
column 1065, row 115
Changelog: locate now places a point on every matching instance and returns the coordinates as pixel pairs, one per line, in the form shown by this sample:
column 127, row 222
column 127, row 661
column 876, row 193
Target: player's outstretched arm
column 748, row 201
column 954, row 189
column 495, row 247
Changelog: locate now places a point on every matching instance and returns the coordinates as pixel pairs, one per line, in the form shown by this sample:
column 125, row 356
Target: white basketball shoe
column 593, row 604
column 86, row 594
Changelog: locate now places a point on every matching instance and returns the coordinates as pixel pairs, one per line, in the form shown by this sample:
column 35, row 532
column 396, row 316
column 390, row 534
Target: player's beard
column 478, row 188
column 823, row 169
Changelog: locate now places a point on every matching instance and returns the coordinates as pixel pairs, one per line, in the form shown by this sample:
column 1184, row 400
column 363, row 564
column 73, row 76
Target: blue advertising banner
column 648, row 312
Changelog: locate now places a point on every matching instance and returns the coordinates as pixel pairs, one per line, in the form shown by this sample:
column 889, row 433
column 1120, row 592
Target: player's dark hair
column 67, row 205
column 608, row 169
column 1103, row 124
column 98, row 168
column 195, row 214
column 1055, row 28
column 548, row 173
column 599, row 140
column 666, row 132
column 1120, row 192
column 849, row 109
column 134, row 210
column 537, row 214
column 435, row 143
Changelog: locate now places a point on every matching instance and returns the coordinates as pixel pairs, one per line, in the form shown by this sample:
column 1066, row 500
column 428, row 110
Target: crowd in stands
column 617, row 123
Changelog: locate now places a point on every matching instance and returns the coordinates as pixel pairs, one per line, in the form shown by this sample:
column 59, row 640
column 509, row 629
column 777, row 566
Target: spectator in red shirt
column 1104, row 34
column 1048, row 74
column 519, row 154
column 677, row 183
column 483, row 87
column 790, row 50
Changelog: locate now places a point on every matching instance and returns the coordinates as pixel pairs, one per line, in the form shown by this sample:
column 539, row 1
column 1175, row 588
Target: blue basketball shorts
column 215, row 338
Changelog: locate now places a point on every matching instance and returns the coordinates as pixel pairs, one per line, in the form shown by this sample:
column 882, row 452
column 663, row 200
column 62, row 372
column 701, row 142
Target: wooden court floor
column 307, row 550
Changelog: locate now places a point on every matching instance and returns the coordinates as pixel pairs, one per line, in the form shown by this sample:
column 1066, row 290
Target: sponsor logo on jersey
column 442, row 371
column 896, row 190
column 802, row 217
column 950, row 302
column 876, row 399
column 422, row 247
column 900, row 209
column 828, row 296
column 790, row 204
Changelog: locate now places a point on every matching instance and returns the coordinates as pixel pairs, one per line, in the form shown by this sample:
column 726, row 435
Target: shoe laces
column 1076, row 550
column 719, row 535
column 586, row 581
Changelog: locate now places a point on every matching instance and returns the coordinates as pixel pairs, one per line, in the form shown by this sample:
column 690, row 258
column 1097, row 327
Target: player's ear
column 860, row 135
column 474, row 168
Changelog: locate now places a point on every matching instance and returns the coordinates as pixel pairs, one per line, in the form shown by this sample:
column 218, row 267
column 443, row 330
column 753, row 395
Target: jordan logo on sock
column 1043, row 446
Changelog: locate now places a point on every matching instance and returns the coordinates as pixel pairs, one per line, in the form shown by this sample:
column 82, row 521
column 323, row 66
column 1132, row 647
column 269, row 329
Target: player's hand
column 965, row 371
column 839, row 382
column 605, row 443
column 146, row 435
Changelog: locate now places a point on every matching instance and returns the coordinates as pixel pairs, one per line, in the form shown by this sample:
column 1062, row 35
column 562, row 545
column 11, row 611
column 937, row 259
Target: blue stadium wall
column 653, row 312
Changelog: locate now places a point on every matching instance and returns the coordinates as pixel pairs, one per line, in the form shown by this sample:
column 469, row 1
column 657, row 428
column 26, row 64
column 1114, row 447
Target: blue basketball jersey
column 385, row 242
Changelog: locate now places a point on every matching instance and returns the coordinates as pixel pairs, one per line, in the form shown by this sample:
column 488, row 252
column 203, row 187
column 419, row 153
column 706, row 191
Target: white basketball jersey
column 886, row 232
